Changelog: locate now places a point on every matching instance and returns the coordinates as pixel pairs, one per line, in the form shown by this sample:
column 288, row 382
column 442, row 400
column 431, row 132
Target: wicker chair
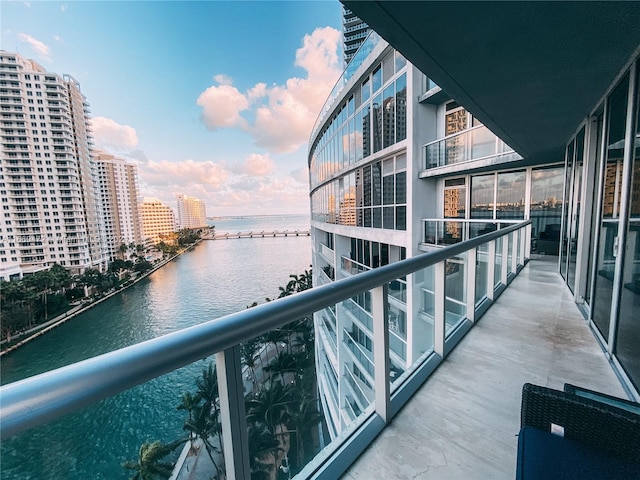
column 597, row 436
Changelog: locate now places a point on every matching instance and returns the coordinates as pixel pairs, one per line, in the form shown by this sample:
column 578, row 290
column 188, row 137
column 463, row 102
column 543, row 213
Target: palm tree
column 264, row 448
column 149, row 465
column 304, row 417
column 270, row 406
column 285, row 362
column 204, row 424
column 190, row 404
column 248, row 351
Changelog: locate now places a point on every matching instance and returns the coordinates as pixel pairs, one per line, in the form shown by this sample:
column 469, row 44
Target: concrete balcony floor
column 462, row 423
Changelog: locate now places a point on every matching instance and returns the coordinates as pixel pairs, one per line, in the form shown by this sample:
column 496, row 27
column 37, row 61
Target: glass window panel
column 401, row 62
column 454, row 202
column 366, row 90
column 376, row 183
column 401, row 187
column 376, row 79
column 401, row 218
column 366, row 130
column 388, row 221
column 377, row 123
column 401, row 108
column 612, row 189
column 482, row 270
column 388, row 106
column 358, row 136
column 388, row 194
column 482, row 196
column 546, row 207
column 350, row 106
column 455, row 292
column 366, row 176
column 510, row 198
column 628, row 343
column 377, row 217
column 388, row 68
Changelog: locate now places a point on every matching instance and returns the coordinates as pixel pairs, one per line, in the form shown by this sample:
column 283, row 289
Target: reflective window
column 482, row 196
column 510, row 195
column 401, row 108
column 628, row 343
column 546, row 208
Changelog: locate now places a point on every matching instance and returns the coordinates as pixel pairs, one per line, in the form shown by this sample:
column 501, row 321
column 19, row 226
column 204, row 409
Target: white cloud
column 256, row 165
column 223, row 79
column 63, row 8
column 111, row 135
column 43, row 50
column 279, row 118
column 57, row 38
column 185, row 174
column 221, row 106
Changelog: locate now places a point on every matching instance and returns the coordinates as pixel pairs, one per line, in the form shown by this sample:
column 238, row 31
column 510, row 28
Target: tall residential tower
column 51, row 210
column 191, row 212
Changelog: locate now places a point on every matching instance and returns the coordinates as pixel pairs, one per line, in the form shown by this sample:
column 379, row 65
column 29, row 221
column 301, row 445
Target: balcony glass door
column 628, row 337
column 574, row 211
column 607, row 249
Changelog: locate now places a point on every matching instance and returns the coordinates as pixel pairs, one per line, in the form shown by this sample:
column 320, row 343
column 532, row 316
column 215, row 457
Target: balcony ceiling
column 530, row 71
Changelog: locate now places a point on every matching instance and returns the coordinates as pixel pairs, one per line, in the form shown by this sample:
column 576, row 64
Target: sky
column 213, row 99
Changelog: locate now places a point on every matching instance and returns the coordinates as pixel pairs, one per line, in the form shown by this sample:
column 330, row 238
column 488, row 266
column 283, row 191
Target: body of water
column 214, row 279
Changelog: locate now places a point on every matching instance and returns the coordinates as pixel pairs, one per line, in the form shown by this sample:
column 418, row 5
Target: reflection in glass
column 510, row 195
column 607, row 249
column 546, row 208
column 389, row 114
column 497, row 271
column 377, row 124
column 482, row 196
column 401, row 108
column 628, row 338
column 482, row 271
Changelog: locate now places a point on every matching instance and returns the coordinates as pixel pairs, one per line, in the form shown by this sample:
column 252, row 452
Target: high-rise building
column 51, row 209
column 118, row 181
column 158, row 221
column 191, row 212
column 354, row 33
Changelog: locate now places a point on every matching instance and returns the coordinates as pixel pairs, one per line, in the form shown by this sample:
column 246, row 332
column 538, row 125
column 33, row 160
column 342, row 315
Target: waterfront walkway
column 463, row 422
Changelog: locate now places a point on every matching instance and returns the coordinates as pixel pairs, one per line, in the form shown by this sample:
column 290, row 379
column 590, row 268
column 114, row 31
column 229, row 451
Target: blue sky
column 215, row 99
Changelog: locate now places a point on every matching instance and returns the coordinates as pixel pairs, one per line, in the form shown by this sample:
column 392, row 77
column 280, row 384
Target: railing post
column 439, row 307
column 232, row 414
column 491, row 268
column 380, row 307
column 472, row 256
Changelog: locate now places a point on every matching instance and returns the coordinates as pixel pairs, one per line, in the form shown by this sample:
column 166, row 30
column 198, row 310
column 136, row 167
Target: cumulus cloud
column 279, row 118
column 111, row 135
column 256, row 165
column 222, row 105
column 223, row 79
column 187, row 174
column 41, row 49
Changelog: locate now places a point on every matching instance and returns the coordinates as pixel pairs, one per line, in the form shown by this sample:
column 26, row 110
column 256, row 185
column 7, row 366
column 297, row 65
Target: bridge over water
column 256, row 234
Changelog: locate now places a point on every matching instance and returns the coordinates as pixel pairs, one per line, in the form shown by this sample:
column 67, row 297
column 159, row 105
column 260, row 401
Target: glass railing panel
column 480, row 228
column 497, row 271
column 482, row 272
column 398, row 290
column 455, row 292
column 352, row 267
column 116, row 432
column 358, row 307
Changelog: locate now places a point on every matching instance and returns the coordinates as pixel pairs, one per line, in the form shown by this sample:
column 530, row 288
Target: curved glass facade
column 372, row 117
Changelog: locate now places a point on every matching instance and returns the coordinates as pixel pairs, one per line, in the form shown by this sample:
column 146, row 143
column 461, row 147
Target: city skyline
column 188, row 95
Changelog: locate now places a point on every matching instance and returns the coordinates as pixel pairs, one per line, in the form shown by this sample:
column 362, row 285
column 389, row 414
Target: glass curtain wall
column 546, row 208
column 610, row 218
column 628, row 337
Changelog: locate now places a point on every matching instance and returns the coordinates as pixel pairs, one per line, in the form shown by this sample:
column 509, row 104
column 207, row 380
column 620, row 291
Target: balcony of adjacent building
column 469, row 149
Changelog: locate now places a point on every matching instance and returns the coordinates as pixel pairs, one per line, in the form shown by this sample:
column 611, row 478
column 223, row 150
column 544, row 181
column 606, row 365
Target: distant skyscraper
column 158, row 220
column 51, row 209
column 191, row 212
column 119, row 194
column 354, row 32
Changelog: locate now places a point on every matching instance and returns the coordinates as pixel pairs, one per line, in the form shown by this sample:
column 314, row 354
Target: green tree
column 149, row 464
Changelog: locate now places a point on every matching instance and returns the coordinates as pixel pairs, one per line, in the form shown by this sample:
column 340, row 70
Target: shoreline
column 43, row 328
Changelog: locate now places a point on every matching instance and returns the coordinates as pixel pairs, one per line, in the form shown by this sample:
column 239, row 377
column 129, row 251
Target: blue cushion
column 543, row 455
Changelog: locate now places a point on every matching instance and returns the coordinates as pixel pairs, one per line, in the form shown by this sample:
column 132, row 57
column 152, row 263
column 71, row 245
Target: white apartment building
column 191, row 212
column 51, row 210
column 158, row 220
column 119, row 192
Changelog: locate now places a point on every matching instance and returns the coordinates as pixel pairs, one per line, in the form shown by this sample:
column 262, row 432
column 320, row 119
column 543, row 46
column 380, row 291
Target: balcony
column 478, row 145
column 520, row 339
column 463, row 422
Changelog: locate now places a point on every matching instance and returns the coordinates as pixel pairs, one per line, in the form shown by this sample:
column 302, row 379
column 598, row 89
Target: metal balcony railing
column 40, row 399
column 473, row 144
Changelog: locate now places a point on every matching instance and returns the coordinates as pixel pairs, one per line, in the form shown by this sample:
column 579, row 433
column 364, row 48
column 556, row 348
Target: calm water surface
column 215, row 279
